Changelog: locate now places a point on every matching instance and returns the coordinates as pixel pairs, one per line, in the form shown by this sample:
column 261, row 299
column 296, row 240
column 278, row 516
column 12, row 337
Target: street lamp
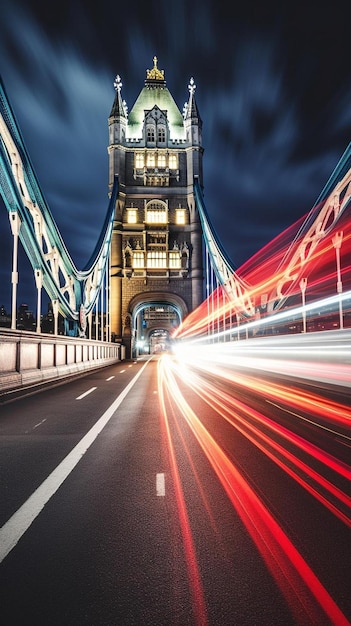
column 39, row 284
column 264, row 300
column 15, row 223
column 303, row 284
column 337, row 241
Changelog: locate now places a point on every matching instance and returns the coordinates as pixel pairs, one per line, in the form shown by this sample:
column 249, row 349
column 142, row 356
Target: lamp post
column 264, row 300
column 15, row 223
column 303, row 284
column 39, row 283
column 337, row 241
column 238, row 325
column 55, row 312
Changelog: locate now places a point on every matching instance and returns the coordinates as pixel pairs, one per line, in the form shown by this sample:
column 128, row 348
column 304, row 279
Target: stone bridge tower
column 156, row 258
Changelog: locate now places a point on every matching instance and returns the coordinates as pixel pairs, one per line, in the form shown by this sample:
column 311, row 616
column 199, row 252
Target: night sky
column 273, row 90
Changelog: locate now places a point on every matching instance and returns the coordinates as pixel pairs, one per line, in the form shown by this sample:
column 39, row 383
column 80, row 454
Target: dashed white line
column 121, row 372
column 39, row 423
column 86, row 393
column 160, row 484
column 110, row 378
column 16, row 526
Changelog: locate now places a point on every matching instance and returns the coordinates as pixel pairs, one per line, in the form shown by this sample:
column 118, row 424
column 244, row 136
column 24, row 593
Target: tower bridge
column 182, row 480
column 158, row 269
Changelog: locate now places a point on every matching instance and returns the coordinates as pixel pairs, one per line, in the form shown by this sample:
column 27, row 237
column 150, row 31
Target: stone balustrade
column 28, row 359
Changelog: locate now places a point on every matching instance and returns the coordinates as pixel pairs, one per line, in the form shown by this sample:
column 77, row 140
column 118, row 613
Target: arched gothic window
column 150, row 134
column 156, row 213
column 161, row 134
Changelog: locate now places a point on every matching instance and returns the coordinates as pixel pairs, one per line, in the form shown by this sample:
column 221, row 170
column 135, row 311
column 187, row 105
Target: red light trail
column 303, row 461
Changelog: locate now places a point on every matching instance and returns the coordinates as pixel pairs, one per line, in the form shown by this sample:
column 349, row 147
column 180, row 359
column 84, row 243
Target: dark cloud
column 273, row 89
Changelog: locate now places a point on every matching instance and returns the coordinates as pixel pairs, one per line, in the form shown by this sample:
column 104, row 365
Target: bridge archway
column 153, row 318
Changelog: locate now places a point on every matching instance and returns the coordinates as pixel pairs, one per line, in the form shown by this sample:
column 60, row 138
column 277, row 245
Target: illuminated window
column 132, row 216
column 151, row 159
column 150, row 134
column 174, row 260
column 161, row 134
column 139, row 160
column 156, row 258
column 161, row 161
column 138, row 259
column 180, row 216
column 173, row 161
column 156, row 213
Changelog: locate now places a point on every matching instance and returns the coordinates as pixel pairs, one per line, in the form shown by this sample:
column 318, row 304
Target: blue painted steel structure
column 322, row 218
column 76, row 291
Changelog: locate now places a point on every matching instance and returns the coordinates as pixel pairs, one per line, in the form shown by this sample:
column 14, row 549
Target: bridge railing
column 28, row 359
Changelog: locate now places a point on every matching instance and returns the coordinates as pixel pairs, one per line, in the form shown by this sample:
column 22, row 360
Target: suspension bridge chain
column 74, row 291
column 321, row 220
column 236, row 289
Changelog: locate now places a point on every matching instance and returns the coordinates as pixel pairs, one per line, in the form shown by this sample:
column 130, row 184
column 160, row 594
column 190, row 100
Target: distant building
column 25, row 318
column 156, row 259
column 5, row 319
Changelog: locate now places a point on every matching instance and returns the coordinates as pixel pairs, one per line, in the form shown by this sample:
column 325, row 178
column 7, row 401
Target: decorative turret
column 118, row 116
column 192, row 119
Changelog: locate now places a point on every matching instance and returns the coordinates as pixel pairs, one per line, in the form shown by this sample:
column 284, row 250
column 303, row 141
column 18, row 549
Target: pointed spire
column 190, row 110
column 119, row 107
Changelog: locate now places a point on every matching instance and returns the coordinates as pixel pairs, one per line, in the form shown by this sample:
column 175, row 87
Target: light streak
column 255, row 369
column 325, row 357
column 269, row 268
column 308, row 599
column 199, row 606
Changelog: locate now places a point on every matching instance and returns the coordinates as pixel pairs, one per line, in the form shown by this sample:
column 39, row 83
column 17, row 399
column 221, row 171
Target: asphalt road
column 163, row 507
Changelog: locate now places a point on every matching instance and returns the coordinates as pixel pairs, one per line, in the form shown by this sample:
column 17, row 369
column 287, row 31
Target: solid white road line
column 160, row 485
column 86, row 393
column 20, row 521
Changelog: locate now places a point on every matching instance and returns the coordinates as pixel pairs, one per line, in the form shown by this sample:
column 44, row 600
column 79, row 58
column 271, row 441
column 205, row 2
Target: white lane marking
column 121, row 372
column 16, row 526
column 160, row 484
column 306, row 419
column 86, row 393
column 39, row 423
column 110, row 378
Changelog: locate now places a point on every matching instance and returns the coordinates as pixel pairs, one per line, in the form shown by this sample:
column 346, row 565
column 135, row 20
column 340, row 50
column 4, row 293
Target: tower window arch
column 139, row 160
column 161, row 134
column 151, row 159
column 138, row 259
column 156, row 213
column 173, row 161
column 150, row 134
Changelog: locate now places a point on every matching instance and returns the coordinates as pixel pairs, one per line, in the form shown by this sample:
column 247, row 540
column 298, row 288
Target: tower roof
column 155, row 92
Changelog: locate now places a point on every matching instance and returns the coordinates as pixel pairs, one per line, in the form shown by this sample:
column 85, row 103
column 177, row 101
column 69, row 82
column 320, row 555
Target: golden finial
column 155, row 73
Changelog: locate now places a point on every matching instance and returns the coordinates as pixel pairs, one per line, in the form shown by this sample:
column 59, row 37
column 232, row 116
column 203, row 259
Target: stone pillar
column 116, row 284
column 196, row 273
